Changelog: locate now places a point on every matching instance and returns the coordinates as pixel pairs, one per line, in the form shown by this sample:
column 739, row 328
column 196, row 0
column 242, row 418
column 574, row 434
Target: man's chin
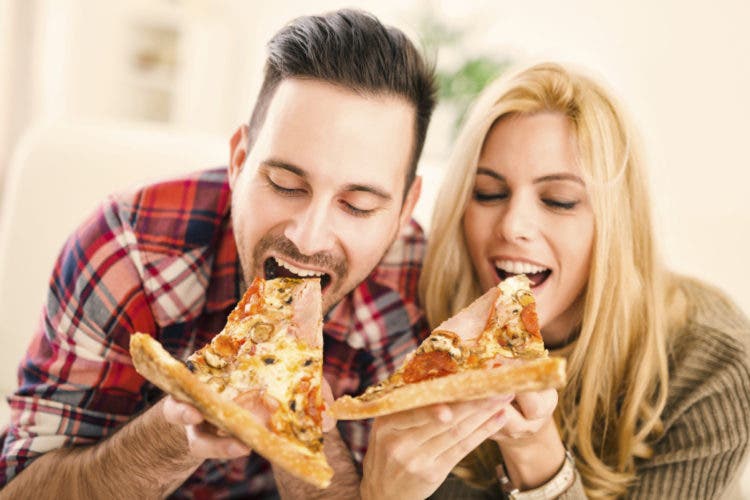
column 331, row 297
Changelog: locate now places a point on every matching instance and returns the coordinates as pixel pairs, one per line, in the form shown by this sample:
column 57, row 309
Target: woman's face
column 530, row 213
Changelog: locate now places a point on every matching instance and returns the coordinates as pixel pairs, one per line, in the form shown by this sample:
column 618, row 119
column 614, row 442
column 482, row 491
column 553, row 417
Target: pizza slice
column 260, row 378
column 492, row 346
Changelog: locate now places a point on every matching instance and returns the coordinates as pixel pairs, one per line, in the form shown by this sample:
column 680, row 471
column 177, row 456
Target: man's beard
column 335, row 267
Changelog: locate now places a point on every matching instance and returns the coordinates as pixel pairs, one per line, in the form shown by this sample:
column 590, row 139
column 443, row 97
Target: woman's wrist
column 532, row 461
column 558, row 484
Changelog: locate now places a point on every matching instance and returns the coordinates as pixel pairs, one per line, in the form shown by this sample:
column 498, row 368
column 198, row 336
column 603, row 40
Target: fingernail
column 500, row 417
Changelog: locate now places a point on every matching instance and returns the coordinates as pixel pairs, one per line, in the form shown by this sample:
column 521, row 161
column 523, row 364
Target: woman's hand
column 411, row 453
column 529, row 441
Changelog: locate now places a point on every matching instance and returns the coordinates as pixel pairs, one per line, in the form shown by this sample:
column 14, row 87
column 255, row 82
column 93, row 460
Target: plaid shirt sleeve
column 142, row 262
column 77, row 383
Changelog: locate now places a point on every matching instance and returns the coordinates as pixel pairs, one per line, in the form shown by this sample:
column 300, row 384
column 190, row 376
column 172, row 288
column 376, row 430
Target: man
column 321, row 182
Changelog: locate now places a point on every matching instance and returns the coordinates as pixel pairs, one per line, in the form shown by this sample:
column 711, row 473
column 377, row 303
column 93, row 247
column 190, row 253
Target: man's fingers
column 180, row 413
column 329, row 422
column 205, row 444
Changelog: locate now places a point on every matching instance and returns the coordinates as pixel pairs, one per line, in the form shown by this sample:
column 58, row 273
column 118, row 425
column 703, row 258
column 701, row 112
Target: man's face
column 320, row 192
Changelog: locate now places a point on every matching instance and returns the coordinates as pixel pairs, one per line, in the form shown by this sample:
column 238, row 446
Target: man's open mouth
column 536, row 274
column 275, row 268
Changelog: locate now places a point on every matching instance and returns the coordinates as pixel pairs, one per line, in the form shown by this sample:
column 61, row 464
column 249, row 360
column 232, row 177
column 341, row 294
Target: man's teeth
column 515, row 267
column 303, row 273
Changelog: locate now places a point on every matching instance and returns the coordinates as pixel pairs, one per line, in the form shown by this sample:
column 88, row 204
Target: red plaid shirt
column 164, row 260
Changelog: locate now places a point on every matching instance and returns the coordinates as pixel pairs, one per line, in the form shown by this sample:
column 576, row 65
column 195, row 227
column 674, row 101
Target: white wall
column 683, row 70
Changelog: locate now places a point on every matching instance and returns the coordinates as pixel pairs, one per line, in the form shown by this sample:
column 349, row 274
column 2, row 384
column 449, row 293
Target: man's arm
column 147, row 458
column 345, row 482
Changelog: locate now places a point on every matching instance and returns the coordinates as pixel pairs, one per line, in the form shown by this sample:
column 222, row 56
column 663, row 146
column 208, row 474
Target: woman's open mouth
column 536, row 274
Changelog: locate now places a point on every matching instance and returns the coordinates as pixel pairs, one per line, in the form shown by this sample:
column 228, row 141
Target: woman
column 547, row 180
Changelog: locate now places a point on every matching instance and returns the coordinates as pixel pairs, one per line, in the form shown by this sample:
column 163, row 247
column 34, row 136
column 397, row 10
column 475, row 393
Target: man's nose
column 311, row 229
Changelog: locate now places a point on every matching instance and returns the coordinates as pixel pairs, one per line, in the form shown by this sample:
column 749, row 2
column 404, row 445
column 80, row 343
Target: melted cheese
column 272, row 361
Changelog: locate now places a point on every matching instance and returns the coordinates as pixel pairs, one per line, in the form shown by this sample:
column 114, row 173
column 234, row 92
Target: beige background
column 681, row 67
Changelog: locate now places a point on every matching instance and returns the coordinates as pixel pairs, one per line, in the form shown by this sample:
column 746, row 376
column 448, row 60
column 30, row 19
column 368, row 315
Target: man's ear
column 410, row 202
column 237, row 152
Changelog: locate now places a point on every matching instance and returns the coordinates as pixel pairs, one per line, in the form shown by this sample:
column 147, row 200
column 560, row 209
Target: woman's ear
column 237, row 152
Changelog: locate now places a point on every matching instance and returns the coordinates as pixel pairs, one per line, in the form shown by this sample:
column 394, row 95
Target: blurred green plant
column 460, row 84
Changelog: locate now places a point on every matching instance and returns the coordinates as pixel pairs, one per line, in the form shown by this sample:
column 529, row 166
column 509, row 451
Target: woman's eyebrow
column 489, row 172
column 546, row 178
column 560, row 177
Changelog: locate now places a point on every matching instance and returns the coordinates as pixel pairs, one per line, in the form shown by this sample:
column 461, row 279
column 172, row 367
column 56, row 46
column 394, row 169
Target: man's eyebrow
column 369, row 188
column 273, row 162
column 538, row 180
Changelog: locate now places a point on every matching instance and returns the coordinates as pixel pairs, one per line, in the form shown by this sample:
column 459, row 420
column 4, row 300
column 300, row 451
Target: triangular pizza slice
column 260, row 378
column 492, row 346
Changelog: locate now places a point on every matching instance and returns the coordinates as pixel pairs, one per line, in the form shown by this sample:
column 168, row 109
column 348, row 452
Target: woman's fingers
column 451, row 456
column 527, row 415
column 537, row 405
column 487, row 413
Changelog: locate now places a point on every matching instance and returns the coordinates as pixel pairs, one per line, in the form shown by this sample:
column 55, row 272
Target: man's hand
column 204, row 440
column 411, row 453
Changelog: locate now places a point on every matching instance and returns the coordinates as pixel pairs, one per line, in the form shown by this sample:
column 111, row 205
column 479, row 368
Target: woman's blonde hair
column 617, row 366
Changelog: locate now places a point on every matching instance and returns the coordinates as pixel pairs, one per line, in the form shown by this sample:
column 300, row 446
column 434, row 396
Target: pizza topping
column 261, row 332
column 442, row 340
column 530, row 320
column 428, row 365
column 213, row 359
column 267, row 356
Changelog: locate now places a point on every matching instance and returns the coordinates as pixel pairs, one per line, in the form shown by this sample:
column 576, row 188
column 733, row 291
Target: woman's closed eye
column 489, row 196
column 559, row 204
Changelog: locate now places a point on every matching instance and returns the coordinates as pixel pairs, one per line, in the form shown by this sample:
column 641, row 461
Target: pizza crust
column 529, row 375
column 153, row 362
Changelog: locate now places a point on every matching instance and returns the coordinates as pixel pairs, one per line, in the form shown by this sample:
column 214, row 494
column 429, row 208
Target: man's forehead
column 327, row 130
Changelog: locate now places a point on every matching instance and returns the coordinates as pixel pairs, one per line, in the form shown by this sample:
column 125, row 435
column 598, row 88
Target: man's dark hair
column 351, row 49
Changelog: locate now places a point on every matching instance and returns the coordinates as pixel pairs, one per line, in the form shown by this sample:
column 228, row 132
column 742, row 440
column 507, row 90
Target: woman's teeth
column 516, row 267
column 302, row 273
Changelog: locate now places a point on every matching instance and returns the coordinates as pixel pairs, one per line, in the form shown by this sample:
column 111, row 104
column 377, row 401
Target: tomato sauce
column 429, row 365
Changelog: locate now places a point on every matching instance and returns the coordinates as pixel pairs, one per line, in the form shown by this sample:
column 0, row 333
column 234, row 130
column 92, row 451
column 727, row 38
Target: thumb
column 329, row 422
